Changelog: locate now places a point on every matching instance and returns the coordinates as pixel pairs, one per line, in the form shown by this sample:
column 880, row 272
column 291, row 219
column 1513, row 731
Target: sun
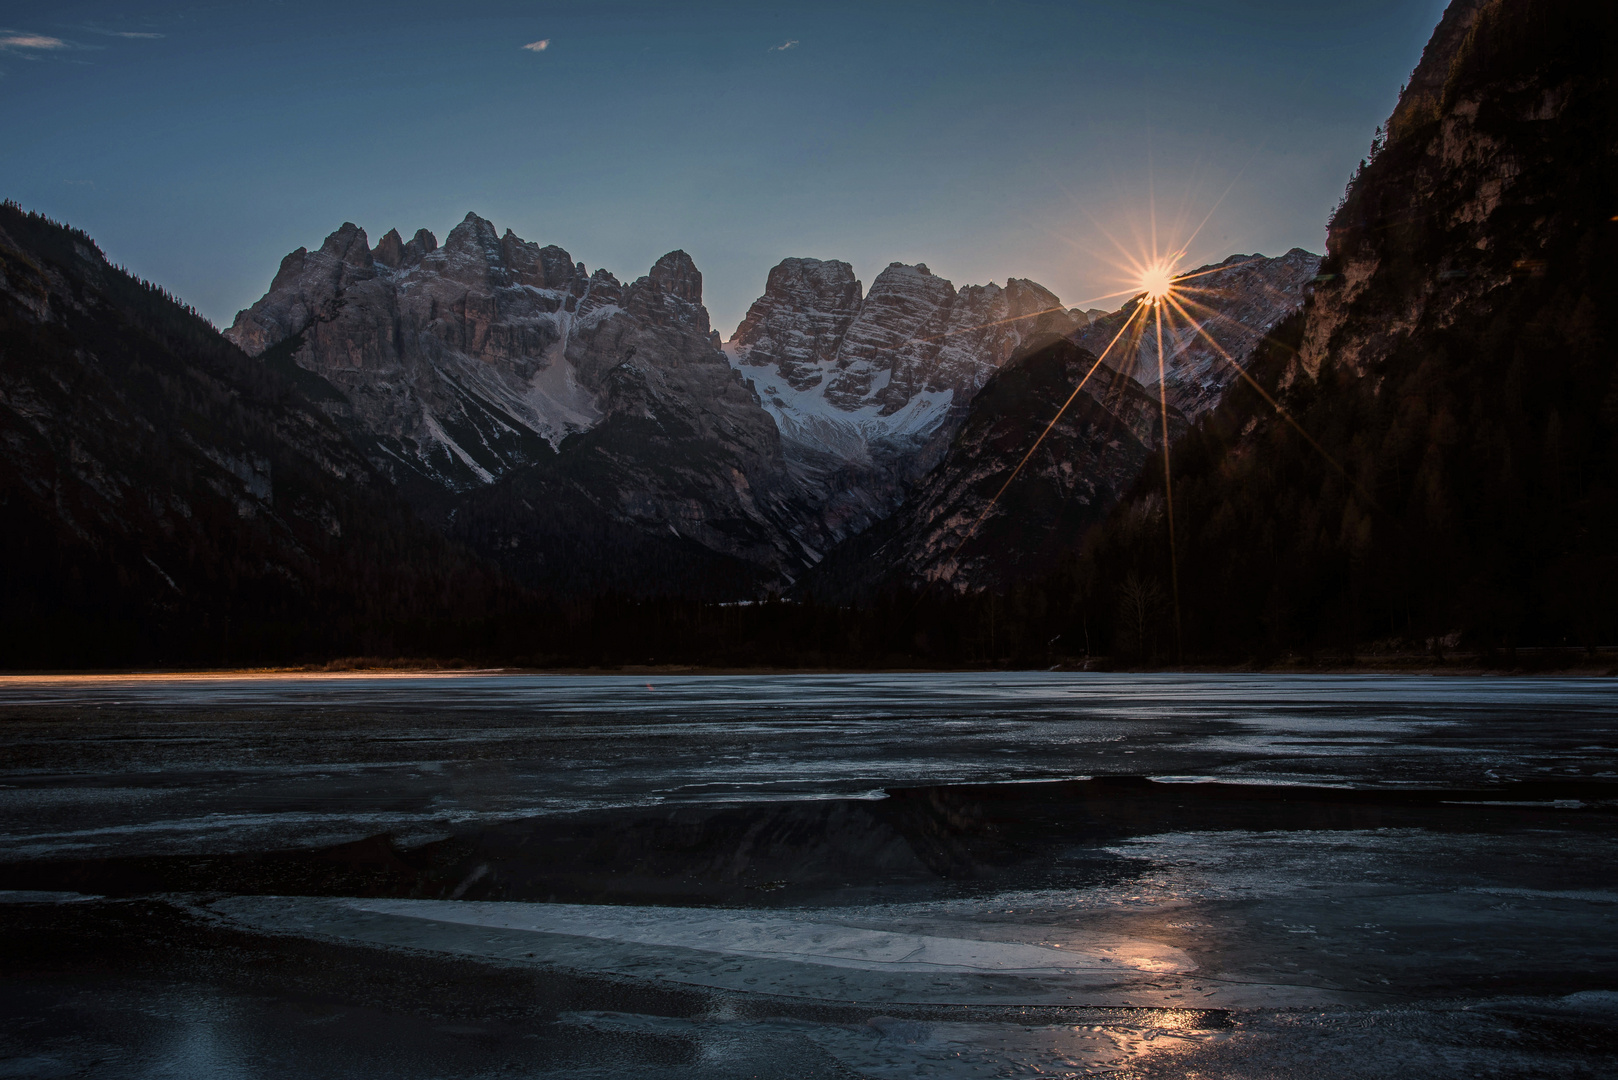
column 1157, row 281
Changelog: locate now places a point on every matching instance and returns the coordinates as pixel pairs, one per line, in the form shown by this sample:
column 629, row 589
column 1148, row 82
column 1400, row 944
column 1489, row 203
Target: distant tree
column 1140, row 605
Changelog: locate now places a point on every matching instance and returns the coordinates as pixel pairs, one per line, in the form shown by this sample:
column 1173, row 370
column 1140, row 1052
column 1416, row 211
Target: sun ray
column 1161, row 300
column 954, row 555
column 1280, row 410
column 1166, row 295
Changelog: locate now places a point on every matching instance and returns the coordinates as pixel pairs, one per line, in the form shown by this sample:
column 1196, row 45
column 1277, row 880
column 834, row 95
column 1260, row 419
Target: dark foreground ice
column 885, row 876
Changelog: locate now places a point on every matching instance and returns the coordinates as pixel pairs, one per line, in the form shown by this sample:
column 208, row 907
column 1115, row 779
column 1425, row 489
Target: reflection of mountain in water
column 916, row 843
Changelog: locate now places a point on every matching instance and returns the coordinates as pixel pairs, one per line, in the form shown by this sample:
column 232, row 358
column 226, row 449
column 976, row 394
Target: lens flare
column 1163, row 315
column 1157, row 281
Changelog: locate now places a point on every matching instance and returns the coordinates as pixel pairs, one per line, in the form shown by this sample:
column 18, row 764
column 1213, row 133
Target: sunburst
column 1163, row 299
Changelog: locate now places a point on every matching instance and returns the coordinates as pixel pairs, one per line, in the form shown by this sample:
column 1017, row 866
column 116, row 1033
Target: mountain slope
column 166, row 498
column 1456, row 366
column 1090, row 457
column 680, row 488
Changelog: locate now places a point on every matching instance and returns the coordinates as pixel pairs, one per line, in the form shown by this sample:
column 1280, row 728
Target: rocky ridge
column 1236, row 302
column 461, row 360
column 863, row 376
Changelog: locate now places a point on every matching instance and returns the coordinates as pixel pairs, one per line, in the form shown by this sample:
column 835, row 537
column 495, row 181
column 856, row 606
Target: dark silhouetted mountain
column 1456, row 371
column 953, row 532
column 169, row 499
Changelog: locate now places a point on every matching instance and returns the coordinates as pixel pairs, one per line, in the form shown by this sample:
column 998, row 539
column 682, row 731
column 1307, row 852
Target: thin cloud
column 538, row 46
column 102, row 31
column 783, row 47
column 31, row 41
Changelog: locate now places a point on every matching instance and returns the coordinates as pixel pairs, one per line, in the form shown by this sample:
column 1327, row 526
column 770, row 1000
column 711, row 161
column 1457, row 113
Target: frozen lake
column 883, row 875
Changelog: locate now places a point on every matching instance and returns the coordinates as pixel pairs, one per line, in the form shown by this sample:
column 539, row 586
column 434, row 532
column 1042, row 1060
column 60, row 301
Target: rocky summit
column 867, row 389
column 867, row 376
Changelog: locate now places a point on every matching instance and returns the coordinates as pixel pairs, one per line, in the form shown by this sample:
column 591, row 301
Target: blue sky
column 201, row 142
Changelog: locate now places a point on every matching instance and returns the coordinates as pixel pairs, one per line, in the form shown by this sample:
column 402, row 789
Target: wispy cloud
column 538, row 46
column 103, row 31
column 783, row 47
column 31, row 41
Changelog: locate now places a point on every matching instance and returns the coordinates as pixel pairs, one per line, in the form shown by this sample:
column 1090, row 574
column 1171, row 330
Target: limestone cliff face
column 491, row 367
column 867, row 389
column 1235, row 303
column 1465, row 176
column 845, row 373
column 455, row 358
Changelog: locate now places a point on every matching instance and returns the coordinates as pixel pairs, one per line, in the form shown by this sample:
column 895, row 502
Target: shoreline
column 1596, row 667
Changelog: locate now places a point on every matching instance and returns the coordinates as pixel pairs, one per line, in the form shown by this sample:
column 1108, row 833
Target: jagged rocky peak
column 472, row 254
column 396, row 254
column 390, row 249
column 678, row 276
column 306, row 287
column 800, row 320
column 348, row 244
column 670, row 295
column 845, row 373
column 899, row 327
column 548, row 267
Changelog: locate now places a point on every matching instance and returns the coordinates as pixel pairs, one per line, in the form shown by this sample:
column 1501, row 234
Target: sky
column 199, row 143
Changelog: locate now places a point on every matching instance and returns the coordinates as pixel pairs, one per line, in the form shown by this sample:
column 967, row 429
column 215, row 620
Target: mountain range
column 591, row 436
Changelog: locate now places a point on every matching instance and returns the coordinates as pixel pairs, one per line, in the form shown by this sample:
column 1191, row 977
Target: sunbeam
column 1167, row 296
column 1059, row 413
